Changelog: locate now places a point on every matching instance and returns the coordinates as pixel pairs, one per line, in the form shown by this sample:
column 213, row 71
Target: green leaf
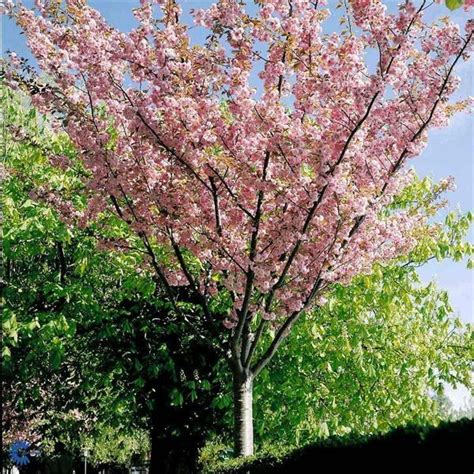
column 177, row 398
column 56, row 357
column 6, row 353
column 454, row 4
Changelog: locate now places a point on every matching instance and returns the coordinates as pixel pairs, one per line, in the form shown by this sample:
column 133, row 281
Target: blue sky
column 449, row 151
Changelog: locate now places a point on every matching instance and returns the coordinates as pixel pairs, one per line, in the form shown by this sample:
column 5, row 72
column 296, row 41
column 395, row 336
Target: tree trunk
column 243, row 418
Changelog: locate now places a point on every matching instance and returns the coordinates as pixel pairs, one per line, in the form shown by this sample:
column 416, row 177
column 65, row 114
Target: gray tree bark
column 243, row 417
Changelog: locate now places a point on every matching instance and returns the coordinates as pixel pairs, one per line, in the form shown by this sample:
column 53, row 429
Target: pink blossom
column 277, row 193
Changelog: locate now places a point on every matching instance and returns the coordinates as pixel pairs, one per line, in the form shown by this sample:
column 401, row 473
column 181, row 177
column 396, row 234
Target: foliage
column 53, row 274
column 109, row 446
column 81, row 339
column 379, row 349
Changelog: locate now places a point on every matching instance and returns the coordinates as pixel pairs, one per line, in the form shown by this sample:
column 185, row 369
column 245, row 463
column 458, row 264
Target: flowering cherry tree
column 258, row 166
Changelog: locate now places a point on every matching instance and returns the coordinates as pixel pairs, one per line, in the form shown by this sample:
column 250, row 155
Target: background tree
column 271, row 197
column 381, row 348
column 83, row 358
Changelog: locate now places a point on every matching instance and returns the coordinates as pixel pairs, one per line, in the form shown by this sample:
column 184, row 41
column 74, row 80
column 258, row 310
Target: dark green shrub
column 445, row 448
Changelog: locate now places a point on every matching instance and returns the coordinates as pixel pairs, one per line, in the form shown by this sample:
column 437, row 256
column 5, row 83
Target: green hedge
column 445, row 448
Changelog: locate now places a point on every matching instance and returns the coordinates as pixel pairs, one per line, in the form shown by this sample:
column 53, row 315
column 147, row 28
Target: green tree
column 83, row 355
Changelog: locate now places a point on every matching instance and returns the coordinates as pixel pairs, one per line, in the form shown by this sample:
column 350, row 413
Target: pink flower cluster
column 275, row 184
